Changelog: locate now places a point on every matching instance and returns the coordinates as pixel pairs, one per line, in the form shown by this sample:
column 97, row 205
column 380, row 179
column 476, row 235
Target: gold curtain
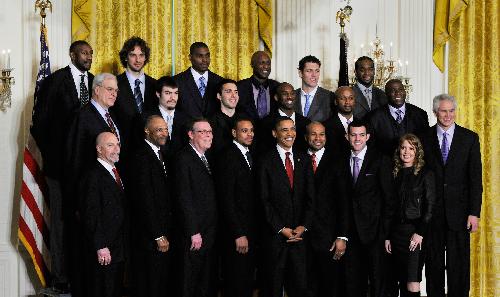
column 474, row 79
column 230, row 28
column 106, row 24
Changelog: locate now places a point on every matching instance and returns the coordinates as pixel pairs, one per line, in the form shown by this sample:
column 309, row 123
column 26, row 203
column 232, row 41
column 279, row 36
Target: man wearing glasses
column 198, row 211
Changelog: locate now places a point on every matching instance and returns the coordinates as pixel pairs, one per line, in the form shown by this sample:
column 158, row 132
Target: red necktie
column 111, row 125
column 289, row 168
column 313, row 159
column 117, row 178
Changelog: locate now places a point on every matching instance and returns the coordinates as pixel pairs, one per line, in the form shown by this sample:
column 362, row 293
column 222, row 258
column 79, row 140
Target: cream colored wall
column 301, row 28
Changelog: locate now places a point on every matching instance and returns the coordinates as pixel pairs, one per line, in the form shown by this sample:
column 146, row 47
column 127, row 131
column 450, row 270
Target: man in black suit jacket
column 390, row 122
column 368, row 97
column 195, row 193
column 104, row 219
column 151, row 198
column 453, row 153
column 257, row 92
column 137, row 90
column 285, row 96
column 287, row 194
column 370, row 210
column 336, row 125
column 235, row 187
column 329, row 234
column 312, row 101
column 197, row 84
column 168, row 93
column 60, row 96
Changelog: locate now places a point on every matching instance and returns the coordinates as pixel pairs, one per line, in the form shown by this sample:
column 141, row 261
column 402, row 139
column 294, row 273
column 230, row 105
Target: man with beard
column 257, row 92
column 197, row 84
column 195, row 194
column 390, row 122
column 368, row 97
column 137, row 90
column 312, row 101
column 285, row 96
column 336, row 125
column 60, row 96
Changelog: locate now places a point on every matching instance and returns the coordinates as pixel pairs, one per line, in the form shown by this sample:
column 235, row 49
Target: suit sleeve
column 310, row 194
column 92, row 212
column 475, row 178
column 272, row 218
column 428, row 202
column 185, row 195
column 342, row 204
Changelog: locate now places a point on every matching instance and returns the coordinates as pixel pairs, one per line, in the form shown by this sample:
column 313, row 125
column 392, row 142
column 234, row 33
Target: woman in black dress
column 415, row 192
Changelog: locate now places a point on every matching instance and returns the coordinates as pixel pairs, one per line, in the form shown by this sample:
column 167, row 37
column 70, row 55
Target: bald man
column 257, row 92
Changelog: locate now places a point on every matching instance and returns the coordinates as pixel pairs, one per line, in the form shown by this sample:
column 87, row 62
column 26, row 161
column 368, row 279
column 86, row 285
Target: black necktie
column 84, row 92
column 249, row 159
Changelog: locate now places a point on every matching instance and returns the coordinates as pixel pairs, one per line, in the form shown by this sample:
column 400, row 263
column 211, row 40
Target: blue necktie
column 138, row 95
column 444, row 148
column 202, row 86
column 307, row 105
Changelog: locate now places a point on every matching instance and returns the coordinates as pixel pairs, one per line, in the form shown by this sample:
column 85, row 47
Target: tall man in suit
column 285, row 96
column 61, row 94
column 336, row 125
column 195, row 193
column 368, row 97
column 329, row 234
column 257, row 92
column 370, row 210
column 104, row 219
column 287, row 195
column 235, row 187
column 453, row 153
column 137, row 90
column 313, row 101
column 390, row 122
column 153, row 211
column 197, row 84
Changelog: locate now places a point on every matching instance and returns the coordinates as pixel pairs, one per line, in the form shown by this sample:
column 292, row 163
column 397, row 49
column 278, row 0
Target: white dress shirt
column 344, row 120
column 168, row 116
column 75, row 72
column 197, row 76
column 285, row 115
column 449, row 135
column 108, row 167
column 103, row 112
column 131, row 80
column 393, row 110
column 281, row 152
column 303, row 98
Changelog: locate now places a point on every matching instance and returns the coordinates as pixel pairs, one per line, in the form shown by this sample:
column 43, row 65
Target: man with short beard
column 368, row 97
column 257, row 92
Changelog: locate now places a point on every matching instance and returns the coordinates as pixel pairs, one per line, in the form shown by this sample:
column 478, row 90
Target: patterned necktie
column 138, row 95
column 355, row 169
column 368, row 96
column 84, row 92
column 202, row 86
column 444, row 148
column 160, row 157
column 262, row 102
column 206, row 163
column 399, row 116
column 289, row 168
column 111, row 125
column 117, row 178
column 249, row 159
column 314, row 163
column 307, row 105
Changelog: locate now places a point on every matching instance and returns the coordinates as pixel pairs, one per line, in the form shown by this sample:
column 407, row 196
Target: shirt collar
column 285, row 115
column 394, row 109
column 242, row 148
column 282, row 151
column 197, row 76
column 131, row 78
column 75, row 71
column 102, row 111
column 196, row 151
column 155, row 148
column 363, row 88
column 107, row 166
column 318, row 154
column 360, row 155
column 449, row 132
column 165, row 111
column 257, row 83
column 312, row 93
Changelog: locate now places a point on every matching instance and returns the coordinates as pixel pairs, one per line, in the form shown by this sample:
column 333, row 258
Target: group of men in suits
column 173, row 174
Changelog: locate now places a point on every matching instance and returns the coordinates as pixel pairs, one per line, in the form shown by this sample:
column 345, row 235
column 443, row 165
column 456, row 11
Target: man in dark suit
column 235, row 188
column 198, row 211
column 329, row 234
column 104, row 218
column 312, row 101
column 61, row 94
column 287, row 194
column 153, row 211
column 197, row 84
column 137, row 90
column 390, row 122
column 370, row 210
column 285, row 96
column 368, row 97
column 257, row 92
column 336, row 125
column 453, row 153
column 168, row 93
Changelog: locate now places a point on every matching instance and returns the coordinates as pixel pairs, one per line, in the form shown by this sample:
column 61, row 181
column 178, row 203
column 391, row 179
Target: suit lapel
column 314, row 108
column 103, row 122
column 195, row 92
column 280, row 168
column 456, row 144
column 72, row 85
column 361, row 99
column 362, row 171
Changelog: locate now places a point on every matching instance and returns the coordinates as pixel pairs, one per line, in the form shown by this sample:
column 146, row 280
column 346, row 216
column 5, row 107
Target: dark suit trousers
column 238, row 271
column 198, row 275
column 285, row 267
column 363, row 262
column 326, row 275
column 105, row 280
column 457, row 245
column 152, row 273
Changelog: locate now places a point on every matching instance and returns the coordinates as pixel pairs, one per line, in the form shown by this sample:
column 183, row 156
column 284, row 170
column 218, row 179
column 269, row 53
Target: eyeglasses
column 204, row 132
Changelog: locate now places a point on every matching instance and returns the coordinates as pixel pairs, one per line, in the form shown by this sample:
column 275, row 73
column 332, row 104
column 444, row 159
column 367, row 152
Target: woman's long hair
column 419, row 154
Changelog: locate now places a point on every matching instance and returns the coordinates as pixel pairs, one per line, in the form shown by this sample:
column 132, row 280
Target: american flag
column 34, row 218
